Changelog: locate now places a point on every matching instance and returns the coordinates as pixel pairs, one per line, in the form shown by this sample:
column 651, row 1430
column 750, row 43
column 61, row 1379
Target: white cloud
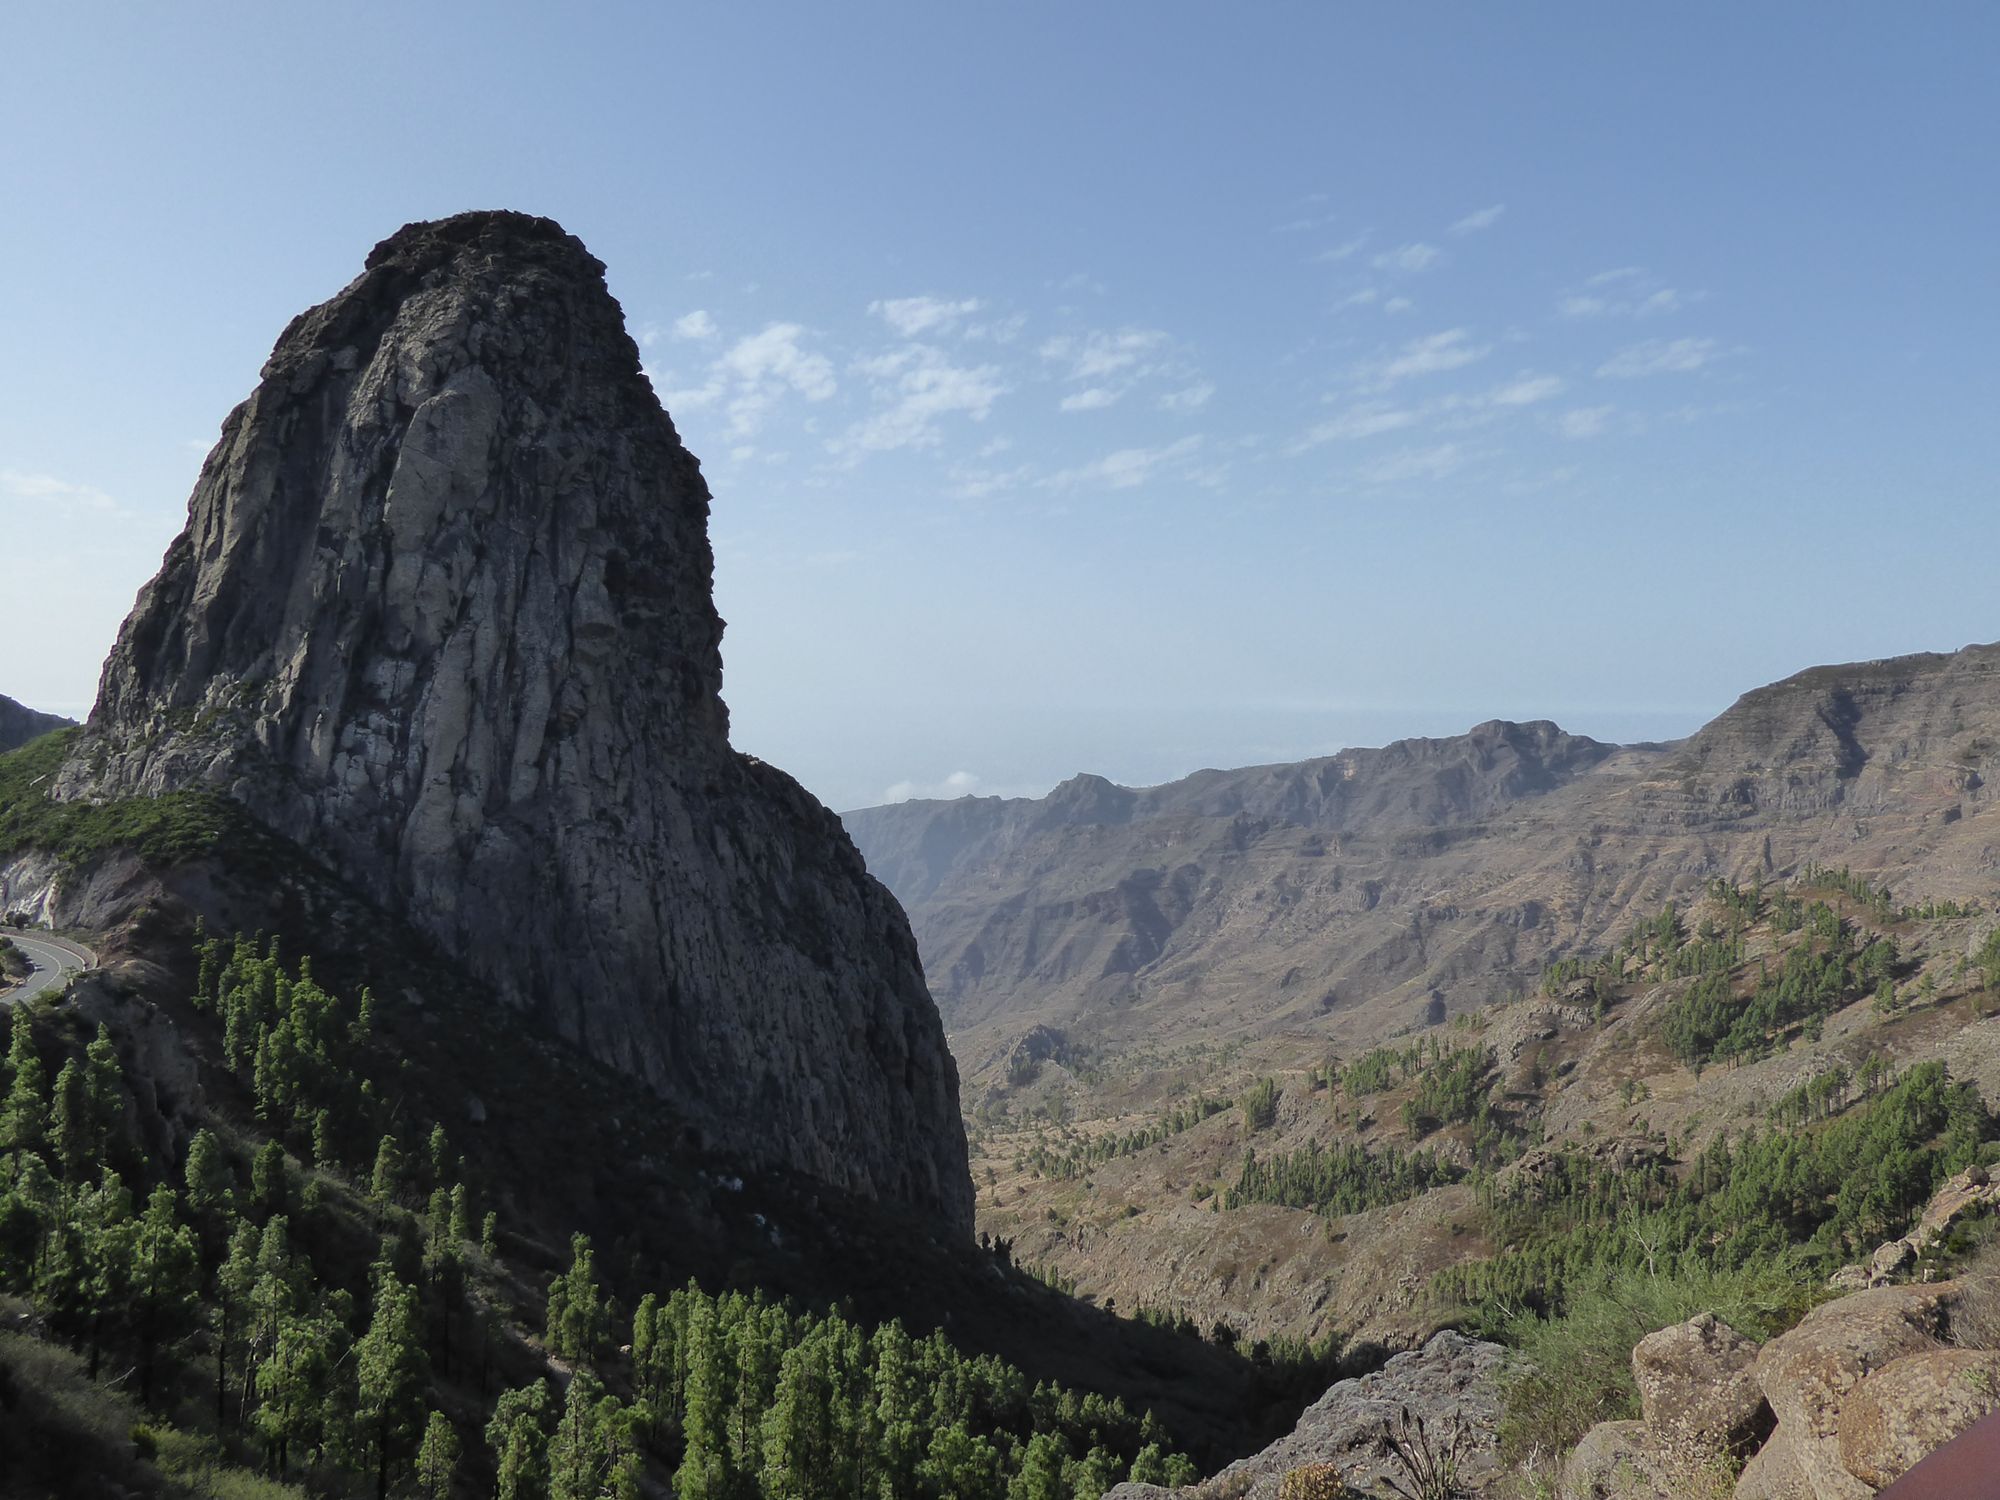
column 1410, row 464
column 1483, row 218
column 1342, row 252
column 1430, row 355
column 1369, row 419
column 910, row 316
column 1092, row 356
column 1583, row 421
column 695, row 325
column 1397, row 305
column 1526, row 389
column 49, row 494
column 1092, row 398
column 1125, row 469
column 1408, row 258
column 978, row 483
column 1192, row 398
column 914, row 387
column 1660, row 357
column 1624, row 292
column 757, row 372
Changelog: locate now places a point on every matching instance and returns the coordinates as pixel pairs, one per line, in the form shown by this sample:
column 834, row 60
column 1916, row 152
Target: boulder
column 1807, row 1374
column 1913, row 1406
column 1696, row 1380
column 1615, row 1461
column 1890, row 1261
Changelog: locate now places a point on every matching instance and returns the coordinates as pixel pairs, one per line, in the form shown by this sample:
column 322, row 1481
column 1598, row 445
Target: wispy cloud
column 1526, row 389
column 1583, row 422
column 1660, row 357
column 914, row 387
column 1094, row 355
column 1478, row 219
column 1127, row 468
column 911, row 316
column 1408, row 258
column 1407, row 465
column 47, row 493
column 1346, row 250
column 1091, row 398
column 756, row 373
column 697, row 325
column 1625, row 292
column 1432, row 354
column 1365, row 420
column 1190, row 398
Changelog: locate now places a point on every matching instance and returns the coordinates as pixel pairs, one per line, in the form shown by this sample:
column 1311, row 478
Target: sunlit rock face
column 442, row 612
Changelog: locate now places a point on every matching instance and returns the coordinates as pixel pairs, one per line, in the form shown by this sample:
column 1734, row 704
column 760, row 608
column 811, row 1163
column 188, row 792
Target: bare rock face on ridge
column 442, row 613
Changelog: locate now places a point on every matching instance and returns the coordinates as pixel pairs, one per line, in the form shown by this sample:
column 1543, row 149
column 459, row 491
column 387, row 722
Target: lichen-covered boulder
column 1913, row 1406
column 1808, row 1374
column 1697, row 1381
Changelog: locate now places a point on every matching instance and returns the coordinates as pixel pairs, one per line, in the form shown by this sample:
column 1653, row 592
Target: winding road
column 55, row 960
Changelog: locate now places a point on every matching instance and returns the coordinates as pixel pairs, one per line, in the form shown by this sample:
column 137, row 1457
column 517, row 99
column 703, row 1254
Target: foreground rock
column 1451, row 1385
column 442, row 614
column 1838, row 1408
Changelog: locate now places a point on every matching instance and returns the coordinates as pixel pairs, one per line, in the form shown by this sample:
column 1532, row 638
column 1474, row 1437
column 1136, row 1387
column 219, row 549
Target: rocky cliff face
column 19, row 724
column 442, row 613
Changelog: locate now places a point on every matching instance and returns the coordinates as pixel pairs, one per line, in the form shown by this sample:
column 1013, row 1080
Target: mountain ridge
column 1360, row 893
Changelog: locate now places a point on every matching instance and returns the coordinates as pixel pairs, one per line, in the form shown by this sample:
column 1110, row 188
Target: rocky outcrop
column 1451, row 1387
column 19, row 724
column 1808, row 1375
column 442, row 614
column 1838, row 1408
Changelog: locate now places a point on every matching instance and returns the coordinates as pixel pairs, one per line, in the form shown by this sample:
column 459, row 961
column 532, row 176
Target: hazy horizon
column 1112, row 390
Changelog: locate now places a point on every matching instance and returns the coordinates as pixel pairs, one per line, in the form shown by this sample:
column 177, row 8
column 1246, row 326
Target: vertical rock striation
column 442, row 612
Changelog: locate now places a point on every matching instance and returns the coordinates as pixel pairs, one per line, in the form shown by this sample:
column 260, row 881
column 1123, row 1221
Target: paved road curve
column 55, row 960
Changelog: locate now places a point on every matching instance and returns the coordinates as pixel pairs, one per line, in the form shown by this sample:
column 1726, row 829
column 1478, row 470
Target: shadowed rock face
column 442, row 612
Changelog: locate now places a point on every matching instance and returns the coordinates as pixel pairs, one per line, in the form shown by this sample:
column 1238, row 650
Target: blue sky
column 1116, row 387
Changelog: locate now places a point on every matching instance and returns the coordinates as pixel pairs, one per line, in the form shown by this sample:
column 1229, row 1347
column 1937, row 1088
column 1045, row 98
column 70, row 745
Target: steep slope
column 1353, row 896
column 442, row 614
column 19, row 724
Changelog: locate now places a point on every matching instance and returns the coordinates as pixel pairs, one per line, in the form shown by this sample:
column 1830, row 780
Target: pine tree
column 518, row 1434
column 489, row 1234
column 576, row 1309
column 70, row 1125
column 166, row 1275
column 24, row 1117
column 461, row 1214
column 106, row 1079
column 268, row 1178
column 704, row 1471
column 387, row 1176
column 390, row 1376
column 209, row 1180
column 437, row 1458
column 234, row 1282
